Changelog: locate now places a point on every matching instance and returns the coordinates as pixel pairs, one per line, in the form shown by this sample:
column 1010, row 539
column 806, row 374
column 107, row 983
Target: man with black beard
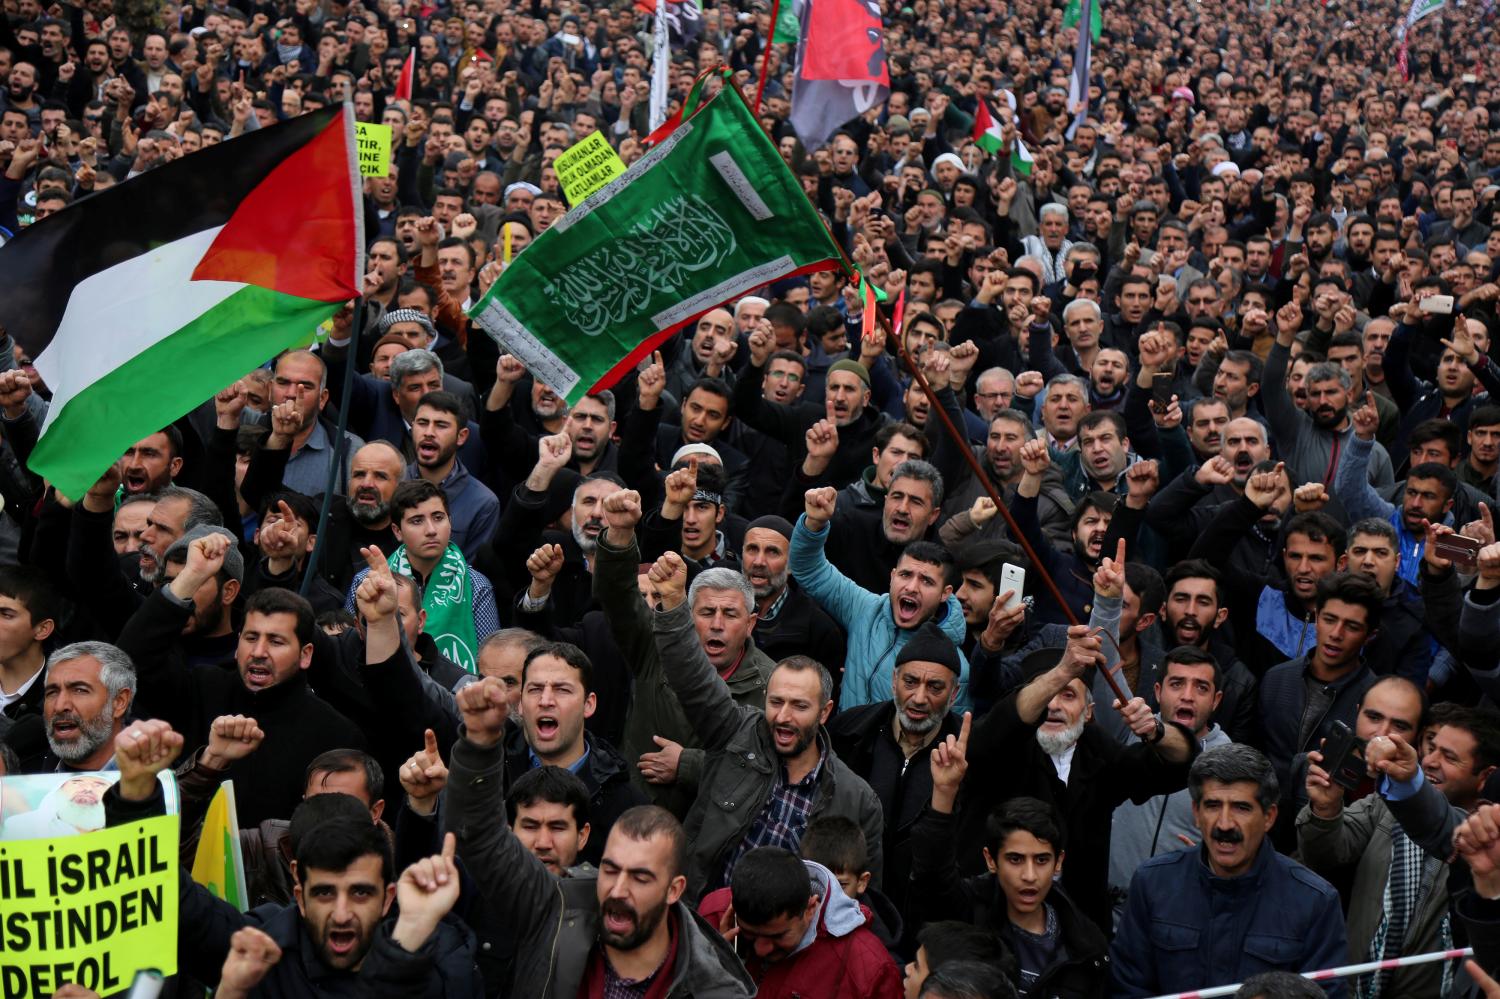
column 1310, row 442
column 627, row 922
column 361, row 518
column 788, row 622
column 887, row 743
column 20, row 91
column 1191, row 615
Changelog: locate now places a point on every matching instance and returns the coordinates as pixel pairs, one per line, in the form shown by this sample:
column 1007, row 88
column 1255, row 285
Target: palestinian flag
column 987, row 133
column 408, row 76
column 1020, row 159
column 142, row 301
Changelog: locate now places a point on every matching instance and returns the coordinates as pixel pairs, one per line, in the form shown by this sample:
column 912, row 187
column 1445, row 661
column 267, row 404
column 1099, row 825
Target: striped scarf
column 1412, row 874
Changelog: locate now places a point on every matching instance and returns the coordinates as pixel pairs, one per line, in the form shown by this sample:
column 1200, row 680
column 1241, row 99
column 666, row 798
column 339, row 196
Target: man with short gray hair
column 993, row 391
column 1051, row 244
column 1231, row 907
column 658, row 733
column 768, row 772
column 88, row 690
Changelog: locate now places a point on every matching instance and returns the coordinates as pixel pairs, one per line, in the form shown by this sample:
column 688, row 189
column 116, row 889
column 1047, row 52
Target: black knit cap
column 928, row 644
column 560, row 494
column 771, row 522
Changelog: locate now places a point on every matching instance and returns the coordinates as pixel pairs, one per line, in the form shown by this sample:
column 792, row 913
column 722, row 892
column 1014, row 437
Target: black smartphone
column 1082, row 273
column 1161, row 390
column 1344, row 756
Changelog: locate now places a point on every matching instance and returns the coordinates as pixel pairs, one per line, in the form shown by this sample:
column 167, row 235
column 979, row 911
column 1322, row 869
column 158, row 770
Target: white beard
column 1054, row 743
column 84, row 818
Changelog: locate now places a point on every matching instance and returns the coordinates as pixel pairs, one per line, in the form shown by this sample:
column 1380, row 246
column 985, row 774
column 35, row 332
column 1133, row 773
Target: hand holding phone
column 1344, row 756
column 1461, row 551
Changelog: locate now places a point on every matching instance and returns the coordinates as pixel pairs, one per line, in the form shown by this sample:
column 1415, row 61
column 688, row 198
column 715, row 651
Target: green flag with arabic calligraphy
column 708, row 214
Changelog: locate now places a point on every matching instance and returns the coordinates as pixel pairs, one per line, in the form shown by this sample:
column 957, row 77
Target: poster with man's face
column 40, row 806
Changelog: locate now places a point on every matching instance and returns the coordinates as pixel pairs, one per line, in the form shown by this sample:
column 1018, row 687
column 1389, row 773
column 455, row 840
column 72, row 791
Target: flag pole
column 962, row 445
column 661, row 67
column 340, row 445
column 765, row 60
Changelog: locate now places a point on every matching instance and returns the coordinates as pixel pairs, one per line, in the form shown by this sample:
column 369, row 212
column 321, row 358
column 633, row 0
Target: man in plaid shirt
column 784, row 819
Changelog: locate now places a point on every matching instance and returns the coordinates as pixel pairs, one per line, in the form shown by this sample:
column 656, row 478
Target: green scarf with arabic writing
column 448, row 599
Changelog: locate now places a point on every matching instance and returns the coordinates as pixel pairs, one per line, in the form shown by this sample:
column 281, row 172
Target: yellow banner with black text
column 92, row 909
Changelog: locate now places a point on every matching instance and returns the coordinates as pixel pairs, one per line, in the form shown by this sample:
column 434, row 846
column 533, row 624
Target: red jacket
column 845, row 960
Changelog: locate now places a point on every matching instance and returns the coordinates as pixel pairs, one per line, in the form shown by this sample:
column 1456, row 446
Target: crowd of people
column 1123, row 623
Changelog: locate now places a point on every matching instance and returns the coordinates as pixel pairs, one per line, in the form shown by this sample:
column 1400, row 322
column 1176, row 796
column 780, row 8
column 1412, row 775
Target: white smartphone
column 1440, row 304
column 1012, row 578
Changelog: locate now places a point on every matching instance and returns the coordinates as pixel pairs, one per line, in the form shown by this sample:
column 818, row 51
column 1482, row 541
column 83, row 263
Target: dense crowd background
column 735, row 678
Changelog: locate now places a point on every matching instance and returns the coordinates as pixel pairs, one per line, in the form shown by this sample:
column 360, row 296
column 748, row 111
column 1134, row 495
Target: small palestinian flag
column 1020, row 159
column 142, row 301
column 987, row 131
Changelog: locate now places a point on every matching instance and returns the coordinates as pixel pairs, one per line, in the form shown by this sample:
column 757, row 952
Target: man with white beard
column 1039, row 742
column 553, row 497
column 888, row 742
column 74, row 806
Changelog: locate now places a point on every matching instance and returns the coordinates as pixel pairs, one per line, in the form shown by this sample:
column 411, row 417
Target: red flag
column 841, row 66
column 870, row 328
column 898, row 311
column 847, row 42
column 408, row 76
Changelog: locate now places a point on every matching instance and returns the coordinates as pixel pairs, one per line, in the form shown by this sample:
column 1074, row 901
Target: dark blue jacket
column 1283, row 697
column 1184, row 928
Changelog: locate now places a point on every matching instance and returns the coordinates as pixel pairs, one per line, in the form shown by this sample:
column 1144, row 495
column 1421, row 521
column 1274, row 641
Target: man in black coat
column 1038, row 742
column 888, row 743
column 359, row 518
column 846, row 404
column 269, row 684
column 303, row 949
column 557, row 695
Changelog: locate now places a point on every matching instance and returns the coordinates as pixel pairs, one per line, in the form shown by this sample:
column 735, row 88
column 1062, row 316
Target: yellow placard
column 93, row 909
column 374, row 142
column 587, row 166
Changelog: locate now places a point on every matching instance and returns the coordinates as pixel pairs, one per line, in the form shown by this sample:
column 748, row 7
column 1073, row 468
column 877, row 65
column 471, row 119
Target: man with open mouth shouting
column 878, row 625
column 625, row 927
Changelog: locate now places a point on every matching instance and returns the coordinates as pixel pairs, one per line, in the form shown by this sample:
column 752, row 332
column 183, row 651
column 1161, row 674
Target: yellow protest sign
column 587, row 166
column 374, row 143
column 93, row 908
